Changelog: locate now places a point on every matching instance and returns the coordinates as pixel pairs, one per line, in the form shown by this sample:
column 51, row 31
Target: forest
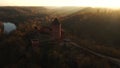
column 93, row 28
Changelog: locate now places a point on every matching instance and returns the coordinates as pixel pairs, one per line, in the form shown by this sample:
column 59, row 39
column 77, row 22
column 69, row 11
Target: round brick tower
column 56, row 29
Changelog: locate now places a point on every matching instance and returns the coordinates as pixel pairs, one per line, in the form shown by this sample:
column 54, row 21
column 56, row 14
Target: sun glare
column 86, row 3
column 59, row 3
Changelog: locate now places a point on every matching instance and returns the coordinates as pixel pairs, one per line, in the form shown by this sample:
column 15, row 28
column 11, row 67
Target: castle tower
column 56, row 29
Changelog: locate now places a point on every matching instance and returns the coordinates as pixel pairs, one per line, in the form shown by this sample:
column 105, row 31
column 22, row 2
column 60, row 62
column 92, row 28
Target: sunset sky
column 91, row 3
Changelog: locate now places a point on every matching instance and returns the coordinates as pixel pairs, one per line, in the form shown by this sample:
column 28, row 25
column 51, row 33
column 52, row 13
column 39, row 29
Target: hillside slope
column 101, row 25
column 21, row 14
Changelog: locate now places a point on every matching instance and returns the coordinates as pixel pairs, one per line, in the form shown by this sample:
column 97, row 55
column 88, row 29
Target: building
column 54, row 30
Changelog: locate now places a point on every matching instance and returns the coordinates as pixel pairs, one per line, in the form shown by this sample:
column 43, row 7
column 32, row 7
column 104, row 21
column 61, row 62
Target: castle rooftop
column 55, row 22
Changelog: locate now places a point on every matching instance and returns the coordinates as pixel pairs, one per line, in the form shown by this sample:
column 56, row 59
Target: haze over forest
column 81, row 20
column 94, row 28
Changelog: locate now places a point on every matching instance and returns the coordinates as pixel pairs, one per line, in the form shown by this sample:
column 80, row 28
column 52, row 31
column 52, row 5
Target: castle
column 54, row 31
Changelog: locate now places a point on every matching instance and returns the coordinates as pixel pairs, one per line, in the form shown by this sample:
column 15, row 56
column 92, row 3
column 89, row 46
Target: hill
column 42, row 14
column 101, row 25
column 21, row 14
column 96, row 29
column 17, row 52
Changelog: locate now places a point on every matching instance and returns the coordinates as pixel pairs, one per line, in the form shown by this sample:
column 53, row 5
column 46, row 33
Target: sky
column 90, row 3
